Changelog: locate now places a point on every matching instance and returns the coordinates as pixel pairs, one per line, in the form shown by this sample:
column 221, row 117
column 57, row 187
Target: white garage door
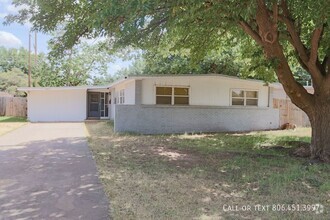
column 57, row 105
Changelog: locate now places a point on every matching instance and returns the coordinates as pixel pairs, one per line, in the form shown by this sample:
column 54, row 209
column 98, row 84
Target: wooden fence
column 290, row 113
column 13, row 106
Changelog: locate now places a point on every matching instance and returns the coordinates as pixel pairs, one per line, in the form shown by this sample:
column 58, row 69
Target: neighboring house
column 289, row 113
column 162, row 104
column 279, row 93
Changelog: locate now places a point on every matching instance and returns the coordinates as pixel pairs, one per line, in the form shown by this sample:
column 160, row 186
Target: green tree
column 13, row 58
column 80, row 65
column 11, row 80
column 214, row 62
column 13, row 69
column 283, row 31
column 103, row 80
column 228, row 61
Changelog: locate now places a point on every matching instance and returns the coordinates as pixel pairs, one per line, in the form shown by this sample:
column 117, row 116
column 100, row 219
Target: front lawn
column 8, row 124
column 209, row 176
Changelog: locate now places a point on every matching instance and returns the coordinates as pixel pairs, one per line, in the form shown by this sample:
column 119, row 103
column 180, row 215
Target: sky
column 16, row 35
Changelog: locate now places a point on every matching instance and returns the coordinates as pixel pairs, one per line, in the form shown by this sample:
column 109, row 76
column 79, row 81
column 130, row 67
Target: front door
column 94, row 105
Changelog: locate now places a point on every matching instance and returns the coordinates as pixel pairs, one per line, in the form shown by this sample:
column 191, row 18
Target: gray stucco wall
column 150, row 119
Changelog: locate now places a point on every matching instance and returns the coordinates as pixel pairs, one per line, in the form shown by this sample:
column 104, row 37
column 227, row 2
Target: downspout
column 268, row 96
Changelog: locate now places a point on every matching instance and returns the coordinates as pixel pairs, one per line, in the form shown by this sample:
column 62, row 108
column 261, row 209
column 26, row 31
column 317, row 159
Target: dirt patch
column 295, row 149
column 178, row 158
column 194, row 136
column 171, row 154
column 299, row 149
column 303, row 151
column 297, row 143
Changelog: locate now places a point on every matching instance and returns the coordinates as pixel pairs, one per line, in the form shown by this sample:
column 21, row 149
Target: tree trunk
column 320, row 122
column 317, row 105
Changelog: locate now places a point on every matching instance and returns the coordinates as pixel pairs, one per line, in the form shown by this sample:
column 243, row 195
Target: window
column 244, row 97
column 172, row 96
column 164, row 95
column 122, row 96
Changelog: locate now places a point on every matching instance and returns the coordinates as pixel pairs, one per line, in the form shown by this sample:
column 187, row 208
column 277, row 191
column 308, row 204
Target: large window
column 244, row 97
column 172, row 95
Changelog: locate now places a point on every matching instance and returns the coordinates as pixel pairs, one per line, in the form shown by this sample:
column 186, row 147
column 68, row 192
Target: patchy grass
column 8, row 124
column 200, row 176
column 5, row 119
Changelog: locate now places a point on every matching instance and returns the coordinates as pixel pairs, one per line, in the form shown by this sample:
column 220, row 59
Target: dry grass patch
column 200, row 176
column 7, row 127
column 8, row 124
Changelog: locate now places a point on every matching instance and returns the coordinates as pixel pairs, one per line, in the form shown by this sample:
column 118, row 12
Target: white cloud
column 12, row 9
column 8, row 8
column 9, row 40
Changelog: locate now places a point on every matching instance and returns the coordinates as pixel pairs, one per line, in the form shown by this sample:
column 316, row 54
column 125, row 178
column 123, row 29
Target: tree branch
column 302, row 64
column 316, row 37
column 313, row 62
column 274, row 52
column 248, row 29
column 309, row 59
column 296, row 41
column 288, row 38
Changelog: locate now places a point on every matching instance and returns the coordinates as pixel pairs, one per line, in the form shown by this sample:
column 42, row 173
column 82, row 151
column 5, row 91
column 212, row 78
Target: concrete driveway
column 47, row 172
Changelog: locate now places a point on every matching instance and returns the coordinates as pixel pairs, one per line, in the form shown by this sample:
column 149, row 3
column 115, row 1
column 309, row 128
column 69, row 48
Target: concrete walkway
column 47, row 172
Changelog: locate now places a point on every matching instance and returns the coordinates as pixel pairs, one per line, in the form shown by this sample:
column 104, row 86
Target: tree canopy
column 11, row 80
column 197, row 25
column 13, row 69
column 283, row 32
column 155, row 62
column 81, row 65
column 227, row 61
column 13, row 58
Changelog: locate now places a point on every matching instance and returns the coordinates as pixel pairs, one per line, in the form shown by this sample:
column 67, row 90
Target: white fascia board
column 60, row 88
column 198, row 76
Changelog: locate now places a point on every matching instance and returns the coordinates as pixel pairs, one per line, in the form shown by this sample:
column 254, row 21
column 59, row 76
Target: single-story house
column 161, row 104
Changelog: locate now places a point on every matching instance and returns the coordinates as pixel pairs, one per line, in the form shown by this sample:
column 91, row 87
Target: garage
column 58, row 104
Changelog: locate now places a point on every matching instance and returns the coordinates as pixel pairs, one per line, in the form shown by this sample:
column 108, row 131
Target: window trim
column 244, row 98
column 121, row 97
column 172, row 95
